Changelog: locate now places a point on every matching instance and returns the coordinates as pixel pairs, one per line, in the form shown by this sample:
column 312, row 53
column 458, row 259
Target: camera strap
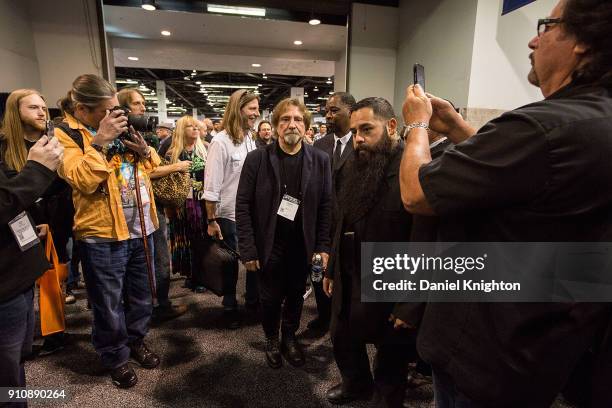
column 143, row 229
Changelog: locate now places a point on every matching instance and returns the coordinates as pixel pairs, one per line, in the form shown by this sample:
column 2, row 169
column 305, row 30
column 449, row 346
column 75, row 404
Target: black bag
column 215, row 266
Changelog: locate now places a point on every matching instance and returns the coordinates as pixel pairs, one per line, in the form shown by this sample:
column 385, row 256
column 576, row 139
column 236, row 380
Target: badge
column 24, row 231
column 288, row 207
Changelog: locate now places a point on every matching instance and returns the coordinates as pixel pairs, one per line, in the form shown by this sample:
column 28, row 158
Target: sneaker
column 143, row 356
column 70, row 298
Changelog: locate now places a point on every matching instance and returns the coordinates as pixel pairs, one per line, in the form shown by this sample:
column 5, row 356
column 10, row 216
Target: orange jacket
column 98, row 212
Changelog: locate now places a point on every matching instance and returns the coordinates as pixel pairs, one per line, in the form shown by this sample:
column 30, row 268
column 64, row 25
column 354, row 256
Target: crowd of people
column 286, row 200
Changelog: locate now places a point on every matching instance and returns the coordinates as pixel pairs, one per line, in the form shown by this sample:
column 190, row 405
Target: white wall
column 438, row 34
column 18, row 62
column 66, row 45
column 373, row 51
column 498, row 78
column 46, row 44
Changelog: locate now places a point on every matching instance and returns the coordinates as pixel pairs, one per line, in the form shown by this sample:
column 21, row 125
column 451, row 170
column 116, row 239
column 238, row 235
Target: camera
column 140, row 123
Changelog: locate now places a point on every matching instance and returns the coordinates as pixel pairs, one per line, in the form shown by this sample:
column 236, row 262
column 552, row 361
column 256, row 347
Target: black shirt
column 290, row 172
column 539, row 173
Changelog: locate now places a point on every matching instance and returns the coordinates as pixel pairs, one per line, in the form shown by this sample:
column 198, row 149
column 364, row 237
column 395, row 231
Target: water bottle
column 316, row 273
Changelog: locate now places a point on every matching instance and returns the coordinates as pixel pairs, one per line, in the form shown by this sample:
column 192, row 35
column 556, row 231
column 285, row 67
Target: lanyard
column 283, row 174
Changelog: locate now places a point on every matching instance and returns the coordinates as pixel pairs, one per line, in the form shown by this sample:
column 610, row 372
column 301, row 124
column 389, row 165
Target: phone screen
column 419, row 75
column 50, row 130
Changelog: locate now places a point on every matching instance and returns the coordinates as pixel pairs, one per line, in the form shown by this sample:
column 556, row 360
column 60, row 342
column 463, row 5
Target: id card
column 24, row 231
column 288, row 207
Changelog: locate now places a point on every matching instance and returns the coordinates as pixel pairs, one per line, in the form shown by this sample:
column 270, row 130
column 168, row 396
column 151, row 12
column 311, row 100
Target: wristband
column 211, row 220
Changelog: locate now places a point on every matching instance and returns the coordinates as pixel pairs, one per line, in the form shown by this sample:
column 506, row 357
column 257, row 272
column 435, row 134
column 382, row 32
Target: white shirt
column 343, row 140
column 222, row 172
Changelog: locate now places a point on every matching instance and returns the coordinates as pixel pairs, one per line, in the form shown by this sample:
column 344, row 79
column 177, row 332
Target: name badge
column 288, row 207
column 24, row 231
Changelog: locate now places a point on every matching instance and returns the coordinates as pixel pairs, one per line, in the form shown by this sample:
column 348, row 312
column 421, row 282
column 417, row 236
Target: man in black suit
column 338, row 144
column 283, row 211
column 371, row 210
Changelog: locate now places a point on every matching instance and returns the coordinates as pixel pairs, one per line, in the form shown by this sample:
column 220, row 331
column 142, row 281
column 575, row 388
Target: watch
column 211, row 220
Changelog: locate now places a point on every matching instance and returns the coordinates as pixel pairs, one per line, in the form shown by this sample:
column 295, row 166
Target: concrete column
column 162, row 112
column 194, row 112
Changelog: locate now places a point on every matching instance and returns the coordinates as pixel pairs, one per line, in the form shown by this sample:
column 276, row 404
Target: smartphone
column 50, row 129
column 419, row 75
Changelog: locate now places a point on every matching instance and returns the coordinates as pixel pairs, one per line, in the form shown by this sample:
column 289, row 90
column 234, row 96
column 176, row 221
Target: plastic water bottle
column 316, row 273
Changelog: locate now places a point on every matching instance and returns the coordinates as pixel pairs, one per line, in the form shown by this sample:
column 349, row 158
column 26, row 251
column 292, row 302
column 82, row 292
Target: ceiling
column 185, row 93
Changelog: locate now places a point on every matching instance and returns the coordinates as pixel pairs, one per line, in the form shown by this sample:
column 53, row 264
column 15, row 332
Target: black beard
column 363, row 177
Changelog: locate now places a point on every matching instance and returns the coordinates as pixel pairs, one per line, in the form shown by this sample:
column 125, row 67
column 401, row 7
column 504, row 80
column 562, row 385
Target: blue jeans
column 16, row 335
column 447, row 395
column 228, row 230
column 118, row 288
column 162, row 260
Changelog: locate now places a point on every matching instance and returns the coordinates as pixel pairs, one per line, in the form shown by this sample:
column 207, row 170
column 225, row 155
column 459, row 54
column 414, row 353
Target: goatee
column 292, row 138
column 363, row 178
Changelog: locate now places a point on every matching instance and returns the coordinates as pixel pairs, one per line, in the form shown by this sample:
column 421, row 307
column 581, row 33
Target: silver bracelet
column 415, row 125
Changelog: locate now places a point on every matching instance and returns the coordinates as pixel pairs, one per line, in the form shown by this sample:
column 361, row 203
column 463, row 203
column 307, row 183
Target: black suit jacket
column 386, row 221
column 259, row 196
column 326, row 143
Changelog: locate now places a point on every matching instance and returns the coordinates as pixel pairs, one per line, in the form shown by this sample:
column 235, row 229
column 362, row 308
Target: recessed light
column 186, row 78
column 148, row 5
column 314, row 21
column 166, row 33
column 133, row 58
column 198, row 82
column 255, row 65
column 297, row 42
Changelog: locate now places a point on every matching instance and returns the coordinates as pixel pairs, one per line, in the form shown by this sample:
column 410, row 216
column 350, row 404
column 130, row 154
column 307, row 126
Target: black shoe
column 143, row 356
column 124, row 376
column 292, row 352
column 231, row 319
column 163, row 313
column 318, row 324
column 340, row 395
column 273, row 354
column 52, row 344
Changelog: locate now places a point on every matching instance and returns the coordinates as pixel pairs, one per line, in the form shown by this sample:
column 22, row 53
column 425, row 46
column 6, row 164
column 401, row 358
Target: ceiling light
column 166, row 33
column 306, row 94
column 316, row 89
column 133, row 58
column 297, row 42
column 198, row 82
column 243, row 11
column 331, row 92
column 148, row 5
column 186, row 78
column 314, row 21
column 255, row 65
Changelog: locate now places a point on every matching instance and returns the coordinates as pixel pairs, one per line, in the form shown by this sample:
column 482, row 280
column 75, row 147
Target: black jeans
column 393, row 353
column 161, row 260
column 228, row 230
column 282, row 282
column 16, row 334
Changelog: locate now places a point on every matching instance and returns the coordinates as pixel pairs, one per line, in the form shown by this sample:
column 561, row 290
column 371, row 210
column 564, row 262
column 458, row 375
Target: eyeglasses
column 545, row 23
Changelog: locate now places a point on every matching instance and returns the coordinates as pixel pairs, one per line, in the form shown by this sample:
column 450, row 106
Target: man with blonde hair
column 226, row 155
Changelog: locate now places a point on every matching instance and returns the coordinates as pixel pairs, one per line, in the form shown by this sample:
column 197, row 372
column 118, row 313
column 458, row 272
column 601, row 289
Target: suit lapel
column 348, row 150
column 275, row 164
column 306, row 166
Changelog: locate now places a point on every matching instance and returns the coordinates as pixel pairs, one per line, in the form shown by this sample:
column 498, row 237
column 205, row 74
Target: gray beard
column 292, row 139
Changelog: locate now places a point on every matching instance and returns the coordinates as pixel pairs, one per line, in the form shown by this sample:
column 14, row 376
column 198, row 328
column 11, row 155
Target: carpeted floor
column 202, row 365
